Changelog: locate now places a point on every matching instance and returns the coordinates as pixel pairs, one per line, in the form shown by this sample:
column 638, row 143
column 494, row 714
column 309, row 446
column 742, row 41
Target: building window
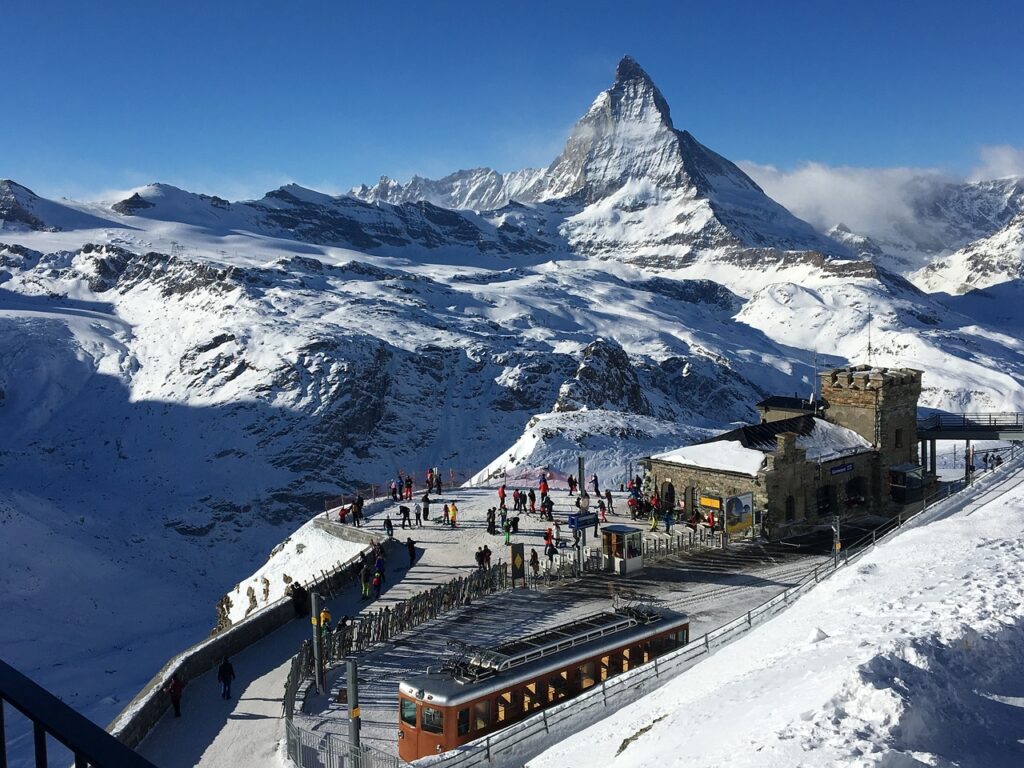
column 855, row 491
column 463, row 721
column 899, row 438
column 826, row 500
column 790, row 509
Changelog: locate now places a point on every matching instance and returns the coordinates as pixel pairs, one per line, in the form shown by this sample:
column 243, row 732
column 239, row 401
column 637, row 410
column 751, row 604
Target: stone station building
column 842, row 454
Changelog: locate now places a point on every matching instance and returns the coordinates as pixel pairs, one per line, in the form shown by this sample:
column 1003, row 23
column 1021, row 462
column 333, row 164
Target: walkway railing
column 971, row 421
column 90, row 744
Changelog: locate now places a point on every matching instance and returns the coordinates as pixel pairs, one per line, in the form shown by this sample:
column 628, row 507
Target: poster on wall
column 739, row 514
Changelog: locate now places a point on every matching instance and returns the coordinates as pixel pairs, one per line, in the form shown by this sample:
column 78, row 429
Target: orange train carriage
column 495, row 688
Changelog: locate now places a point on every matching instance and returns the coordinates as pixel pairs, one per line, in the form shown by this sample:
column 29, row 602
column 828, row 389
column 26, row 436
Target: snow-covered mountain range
column 185, row 377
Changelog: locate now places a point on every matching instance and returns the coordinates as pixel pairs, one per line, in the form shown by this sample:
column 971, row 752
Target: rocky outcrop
column 604, row 380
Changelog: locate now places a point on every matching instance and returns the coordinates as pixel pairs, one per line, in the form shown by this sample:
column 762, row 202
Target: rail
column 968, row 421
column 90, row 744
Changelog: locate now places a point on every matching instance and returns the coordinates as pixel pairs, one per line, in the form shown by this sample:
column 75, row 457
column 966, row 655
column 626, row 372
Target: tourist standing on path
column 597, row 487
column 453, row 513
column 394, row 490
column 479, row 557
column 447, row 515
column 571, row 482
column 501, row 496
column 534, row 563
column 533, row 501
column 437, row 484
column 389, row 527
column 365, row 577
column 487, row 557
column 492, row 529
column 506, row 526
column 426, row 506
column 174, row 689
column 550, row 551
column 608, row 501
column 408, row 488
column 543, row 486
column 378, row 582
column 419, row 515
column 225, row 674
column 406, row 519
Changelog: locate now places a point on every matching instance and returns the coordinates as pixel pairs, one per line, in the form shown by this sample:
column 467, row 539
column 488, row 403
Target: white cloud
column 870, row 200
column 998, row 162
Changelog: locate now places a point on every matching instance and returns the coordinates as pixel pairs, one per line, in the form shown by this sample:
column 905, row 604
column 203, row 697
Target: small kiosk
column 622, row 548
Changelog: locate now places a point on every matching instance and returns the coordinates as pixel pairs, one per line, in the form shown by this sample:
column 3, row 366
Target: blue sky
column 238, row 97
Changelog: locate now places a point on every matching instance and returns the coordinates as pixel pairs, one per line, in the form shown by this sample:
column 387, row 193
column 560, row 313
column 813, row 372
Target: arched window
column 790, row 509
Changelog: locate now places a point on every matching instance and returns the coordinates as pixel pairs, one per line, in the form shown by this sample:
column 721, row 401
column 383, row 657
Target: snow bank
column 300, row 557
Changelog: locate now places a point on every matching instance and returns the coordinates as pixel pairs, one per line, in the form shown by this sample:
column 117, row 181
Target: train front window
column 588, row 675
column 409, row 712
column 463, row 721
column 433, row 720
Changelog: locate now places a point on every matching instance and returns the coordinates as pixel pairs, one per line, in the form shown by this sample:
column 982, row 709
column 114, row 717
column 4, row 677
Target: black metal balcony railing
column 92, row 746
column 969, row 421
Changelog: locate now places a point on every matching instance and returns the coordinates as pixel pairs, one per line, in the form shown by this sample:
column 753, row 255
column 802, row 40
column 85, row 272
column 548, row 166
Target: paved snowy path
column 247, row 730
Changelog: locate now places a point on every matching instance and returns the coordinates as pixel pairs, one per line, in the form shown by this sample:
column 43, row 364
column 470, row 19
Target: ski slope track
column 184, row 378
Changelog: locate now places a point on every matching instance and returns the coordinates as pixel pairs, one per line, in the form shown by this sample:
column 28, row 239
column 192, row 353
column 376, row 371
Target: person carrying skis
column 225, row 674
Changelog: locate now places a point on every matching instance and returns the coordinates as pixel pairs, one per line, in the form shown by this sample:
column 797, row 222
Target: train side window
column 433, row 720
column 463, row 721
column 482, row 715
column 409, row 712
column 558, row 685
column 588, row 675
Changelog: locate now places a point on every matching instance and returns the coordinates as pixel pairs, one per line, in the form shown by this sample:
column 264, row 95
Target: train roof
column 490, row 670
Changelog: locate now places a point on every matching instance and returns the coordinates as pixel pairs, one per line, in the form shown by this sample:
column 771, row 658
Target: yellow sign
column 355, row 712
column 712, row 502
column 839, row 545
column 518, row 560
column 314, row 621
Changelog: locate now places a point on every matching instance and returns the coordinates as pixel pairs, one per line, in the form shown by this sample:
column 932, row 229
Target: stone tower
column 879, row 404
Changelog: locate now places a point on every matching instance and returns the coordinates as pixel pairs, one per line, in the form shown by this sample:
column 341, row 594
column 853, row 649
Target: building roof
column 783, row 403
column 743, row 450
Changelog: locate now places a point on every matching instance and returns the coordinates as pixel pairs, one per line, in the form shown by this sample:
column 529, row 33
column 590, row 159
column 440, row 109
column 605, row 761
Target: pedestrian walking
column 410, row 547
column 668, row 521
column 534, row 563
column 550, row 551
column 225, row 674
column 174, row 689
column 558, row 534
column 608, row 501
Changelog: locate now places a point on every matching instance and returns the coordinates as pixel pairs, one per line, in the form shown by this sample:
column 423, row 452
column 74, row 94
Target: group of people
column 175, row 687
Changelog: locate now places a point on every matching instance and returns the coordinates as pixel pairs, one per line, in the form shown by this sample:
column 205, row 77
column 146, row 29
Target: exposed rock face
column 132, row 205
column 16, row 207
column 605, row 380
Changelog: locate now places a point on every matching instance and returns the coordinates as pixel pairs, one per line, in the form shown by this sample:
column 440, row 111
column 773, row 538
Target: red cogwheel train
column 494, row 688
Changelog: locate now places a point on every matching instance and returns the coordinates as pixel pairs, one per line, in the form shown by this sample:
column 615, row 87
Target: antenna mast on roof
column 869, row 335
column 814, row 381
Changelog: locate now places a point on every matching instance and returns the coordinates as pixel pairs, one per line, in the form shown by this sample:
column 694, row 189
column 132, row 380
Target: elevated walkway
column 972, row 426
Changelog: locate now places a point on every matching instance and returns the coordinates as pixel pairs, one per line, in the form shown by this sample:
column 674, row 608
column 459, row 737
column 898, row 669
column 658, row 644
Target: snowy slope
column 908, row 658
column 185, row 378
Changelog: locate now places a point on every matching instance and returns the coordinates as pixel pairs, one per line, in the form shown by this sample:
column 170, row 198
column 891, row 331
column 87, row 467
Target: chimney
column 786, row 443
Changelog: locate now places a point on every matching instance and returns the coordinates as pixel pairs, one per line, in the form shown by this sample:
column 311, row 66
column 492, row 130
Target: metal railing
column 971, row 421
column 90, row 744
